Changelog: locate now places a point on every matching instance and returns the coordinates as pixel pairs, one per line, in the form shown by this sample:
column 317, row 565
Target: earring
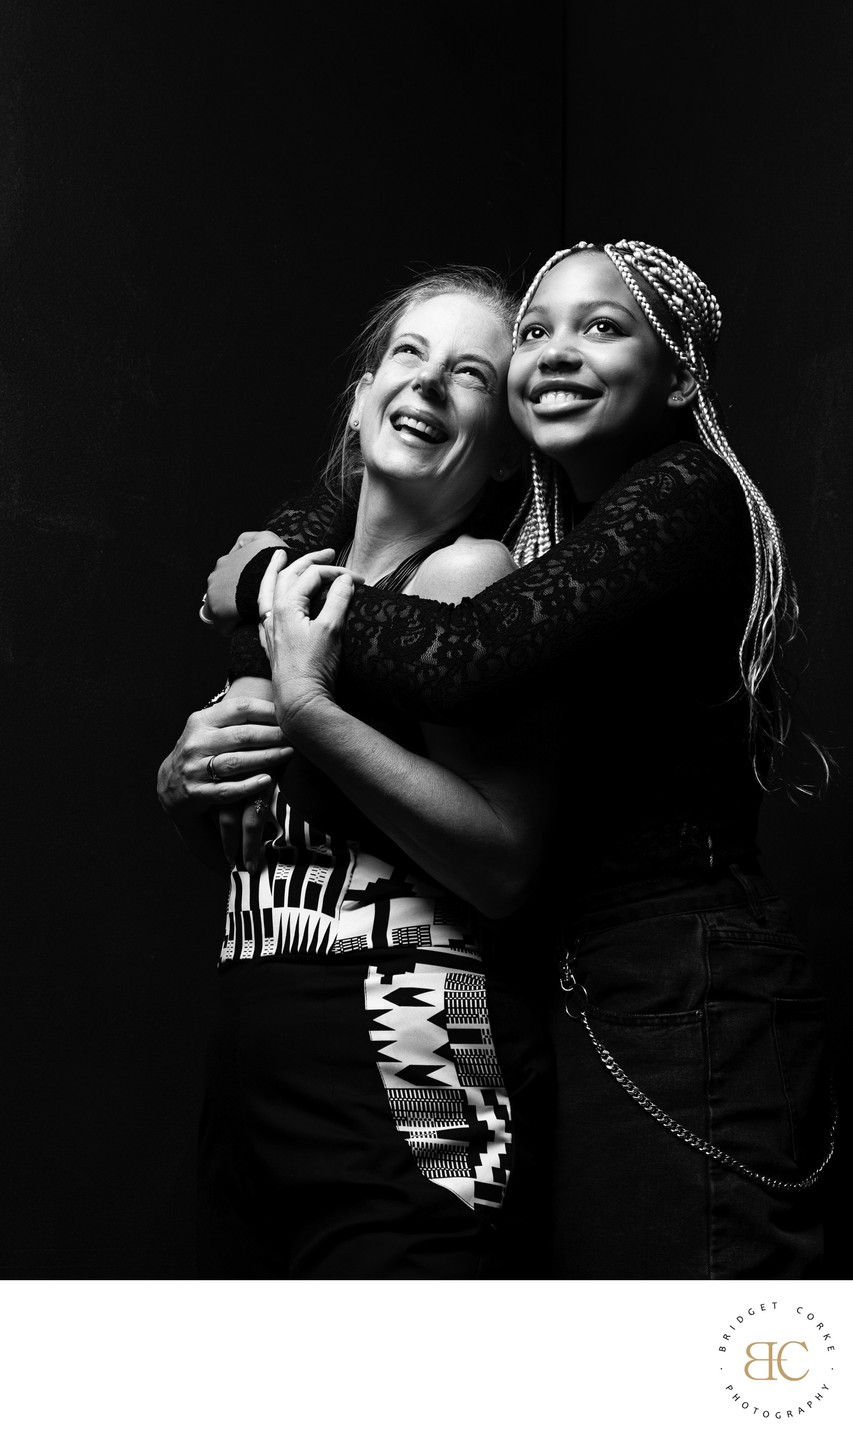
column 677, row 398
column 500, row 474
column 354, row 423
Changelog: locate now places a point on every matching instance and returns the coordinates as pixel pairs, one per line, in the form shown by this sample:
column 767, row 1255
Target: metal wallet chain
column 575, row 1002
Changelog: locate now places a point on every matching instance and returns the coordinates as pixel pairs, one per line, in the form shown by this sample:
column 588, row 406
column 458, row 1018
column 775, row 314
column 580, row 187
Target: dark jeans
column 705, row 999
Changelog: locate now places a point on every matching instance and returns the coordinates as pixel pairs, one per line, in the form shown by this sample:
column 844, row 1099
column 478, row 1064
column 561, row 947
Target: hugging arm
column 473, row 812
column 677, row 519
column 674, row 519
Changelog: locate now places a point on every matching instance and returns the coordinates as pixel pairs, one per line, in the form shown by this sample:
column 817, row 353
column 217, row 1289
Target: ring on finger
column 214, row 776
column 261, row 805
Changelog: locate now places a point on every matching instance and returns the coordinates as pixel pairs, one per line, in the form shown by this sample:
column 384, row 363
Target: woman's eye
column 405, row 347
column 603, row 326
column 531, row 331
column 474, row 373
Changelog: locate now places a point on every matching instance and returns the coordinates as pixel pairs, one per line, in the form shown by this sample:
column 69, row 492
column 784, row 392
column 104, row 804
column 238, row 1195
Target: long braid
column 686, row 317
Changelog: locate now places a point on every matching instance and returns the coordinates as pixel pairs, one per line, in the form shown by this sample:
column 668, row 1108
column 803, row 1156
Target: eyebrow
column 480, row 358
column 588, row 304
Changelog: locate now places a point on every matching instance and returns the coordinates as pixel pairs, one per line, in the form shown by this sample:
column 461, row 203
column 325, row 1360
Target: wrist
column 249, row 582
column 305, row 715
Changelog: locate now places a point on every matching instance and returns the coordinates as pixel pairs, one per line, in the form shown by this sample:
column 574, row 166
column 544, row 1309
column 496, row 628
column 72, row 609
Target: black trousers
column 303, row 1172
column 703, row 996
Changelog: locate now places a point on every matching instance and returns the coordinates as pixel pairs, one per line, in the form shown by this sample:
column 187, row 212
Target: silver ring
column 260, row 805
column 214, row 776
column 203, row 616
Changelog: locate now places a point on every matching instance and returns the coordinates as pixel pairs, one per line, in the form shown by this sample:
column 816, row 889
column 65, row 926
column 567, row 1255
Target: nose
column 431, row 380
column 560, row 353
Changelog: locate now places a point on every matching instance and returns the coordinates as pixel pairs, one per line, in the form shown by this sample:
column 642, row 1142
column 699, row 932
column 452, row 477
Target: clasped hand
column 304, row 606
column 222, row 581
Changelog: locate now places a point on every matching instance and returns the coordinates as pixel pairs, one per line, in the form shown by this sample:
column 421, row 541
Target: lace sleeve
column 318, row 522
column 674, row 519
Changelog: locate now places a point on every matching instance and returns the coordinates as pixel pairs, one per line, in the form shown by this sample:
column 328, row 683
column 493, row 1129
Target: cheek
column 517, row 409
column 516, row 377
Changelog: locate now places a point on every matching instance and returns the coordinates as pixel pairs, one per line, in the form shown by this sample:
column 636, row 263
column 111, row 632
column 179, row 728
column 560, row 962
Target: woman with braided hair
column 654, row 597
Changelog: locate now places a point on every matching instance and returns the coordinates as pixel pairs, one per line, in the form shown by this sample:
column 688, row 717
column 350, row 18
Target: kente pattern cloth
column 320, row 894
column 436, row 1054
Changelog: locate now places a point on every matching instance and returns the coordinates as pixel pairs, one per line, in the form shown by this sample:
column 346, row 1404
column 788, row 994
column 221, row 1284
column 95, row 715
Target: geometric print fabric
column 436, row 1054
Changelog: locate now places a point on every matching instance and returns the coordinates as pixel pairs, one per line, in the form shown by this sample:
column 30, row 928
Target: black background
column 199, row 207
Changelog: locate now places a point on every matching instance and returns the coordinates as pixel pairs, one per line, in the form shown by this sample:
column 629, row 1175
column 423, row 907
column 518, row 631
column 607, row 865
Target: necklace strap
column 398, row 578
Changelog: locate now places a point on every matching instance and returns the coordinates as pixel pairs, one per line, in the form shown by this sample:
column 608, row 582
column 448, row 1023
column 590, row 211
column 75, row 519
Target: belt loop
column 751, row 892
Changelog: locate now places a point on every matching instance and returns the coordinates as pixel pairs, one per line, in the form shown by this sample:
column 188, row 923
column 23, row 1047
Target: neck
column 589, row 475
column 391, row 524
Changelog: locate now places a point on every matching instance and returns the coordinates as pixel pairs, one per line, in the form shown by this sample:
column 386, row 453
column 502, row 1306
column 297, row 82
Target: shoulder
column 687, row 463
column 684, row 478
column 462, row 569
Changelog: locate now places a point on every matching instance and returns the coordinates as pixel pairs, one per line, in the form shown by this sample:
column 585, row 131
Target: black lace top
column 633, row 622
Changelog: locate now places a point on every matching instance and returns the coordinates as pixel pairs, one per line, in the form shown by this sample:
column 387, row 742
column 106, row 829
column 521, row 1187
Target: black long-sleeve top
column 633, row 622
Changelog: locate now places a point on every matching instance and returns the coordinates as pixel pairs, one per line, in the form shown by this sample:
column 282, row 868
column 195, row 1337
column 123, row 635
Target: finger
column 334, row 611
column 243, row 710
column 255, row 818
column 242, row 736
column 235, row 766
column 221, row 795
column 304, row 583
column 267, row 584
column 296, row 588
column 317, row 556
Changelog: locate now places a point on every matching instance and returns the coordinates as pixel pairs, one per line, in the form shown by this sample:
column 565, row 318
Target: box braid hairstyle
column 342, row 471
column 686, row 317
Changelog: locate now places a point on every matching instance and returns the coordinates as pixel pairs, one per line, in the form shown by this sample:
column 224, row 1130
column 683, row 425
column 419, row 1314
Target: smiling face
column 590, row 384
column 434, row 412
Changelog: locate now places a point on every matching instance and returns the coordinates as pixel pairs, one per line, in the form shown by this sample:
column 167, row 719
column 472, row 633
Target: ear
column 358, row 401
column 684, row 388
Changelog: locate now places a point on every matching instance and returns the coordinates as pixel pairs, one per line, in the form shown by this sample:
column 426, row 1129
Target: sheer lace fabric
column 632, row 622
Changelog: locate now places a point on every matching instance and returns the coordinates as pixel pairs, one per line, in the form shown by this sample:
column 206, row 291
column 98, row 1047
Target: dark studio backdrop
column 198, row 209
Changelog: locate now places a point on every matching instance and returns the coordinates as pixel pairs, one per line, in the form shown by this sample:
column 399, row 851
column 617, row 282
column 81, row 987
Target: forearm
column 461, row 833
column 670, row 524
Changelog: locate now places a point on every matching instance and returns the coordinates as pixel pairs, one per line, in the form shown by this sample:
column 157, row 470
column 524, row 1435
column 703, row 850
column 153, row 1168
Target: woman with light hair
column 374, row 1087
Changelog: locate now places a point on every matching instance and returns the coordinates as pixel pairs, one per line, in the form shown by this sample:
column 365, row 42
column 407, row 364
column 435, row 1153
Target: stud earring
column 354, row 423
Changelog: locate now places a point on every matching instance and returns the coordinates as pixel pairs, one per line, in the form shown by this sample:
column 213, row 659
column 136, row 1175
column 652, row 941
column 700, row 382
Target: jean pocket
column 799, row 1029
column 661, row 1054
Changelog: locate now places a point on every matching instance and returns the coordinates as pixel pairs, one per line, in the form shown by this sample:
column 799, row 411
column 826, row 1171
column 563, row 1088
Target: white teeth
column 408, row 422
column 560, row 398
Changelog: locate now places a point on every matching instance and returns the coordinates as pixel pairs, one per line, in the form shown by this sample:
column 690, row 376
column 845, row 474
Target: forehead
column 584, row 278
column 458, row 321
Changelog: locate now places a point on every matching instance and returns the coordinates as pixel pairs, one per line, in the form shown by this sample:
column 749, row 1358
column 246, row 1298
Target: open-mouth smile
column 562, row 396
column 408, row 422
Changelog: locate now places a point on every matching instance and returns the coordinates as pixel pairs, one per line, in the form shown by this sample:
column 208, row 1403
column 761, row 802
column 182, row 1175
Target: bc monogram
column 772, row 1357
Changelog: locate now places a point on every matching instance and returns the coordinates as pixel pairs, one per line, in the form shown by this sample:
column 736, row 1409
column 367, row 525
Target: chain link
column 575, row 994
